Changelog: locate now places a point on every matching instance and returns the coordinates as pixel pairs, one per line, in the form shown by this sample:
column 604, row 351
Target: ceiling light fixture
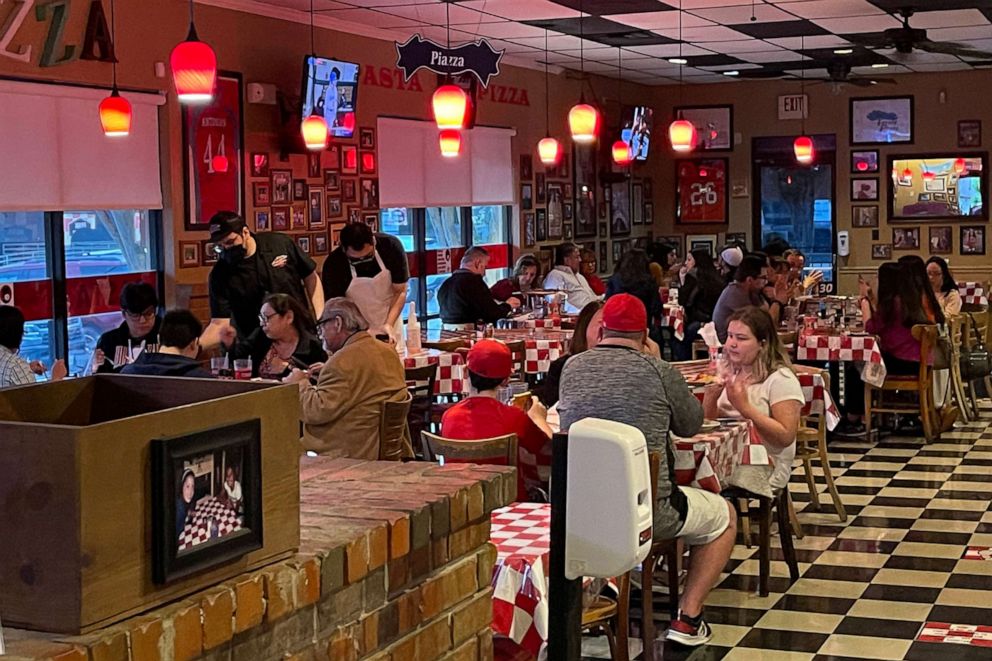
column 879, row 65
column 450, row 141
column 583, row 119
column 681, row 132
column 678, row 60
column 450, row 102
column 548, row 149
column 732, row 73
column 803, row 145
column 314, row 127
column 115, row 110
column 960, row 167
column 194, row 67
column 843, row 51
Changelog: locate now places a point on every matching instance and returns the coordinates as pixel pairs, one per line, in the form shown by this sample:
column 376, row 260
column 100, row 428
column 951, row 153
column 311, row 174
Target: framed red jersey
column 701, row 191
column 212, row 153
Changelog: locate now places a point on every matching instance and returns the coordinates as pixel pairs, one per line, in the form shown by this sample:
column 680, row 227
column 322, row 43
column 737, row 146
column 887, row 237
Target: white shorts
column 707, row 516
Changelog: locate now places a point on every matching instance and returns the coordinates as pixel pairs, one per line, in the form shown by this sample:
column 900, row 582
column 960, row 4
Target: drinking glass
column 242, row 369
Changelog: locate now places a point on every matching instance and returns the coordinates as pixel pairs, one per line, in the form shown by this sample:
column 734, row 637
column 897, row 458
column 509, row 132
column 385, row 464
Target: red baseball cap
column 625, row 314
column 490, row 359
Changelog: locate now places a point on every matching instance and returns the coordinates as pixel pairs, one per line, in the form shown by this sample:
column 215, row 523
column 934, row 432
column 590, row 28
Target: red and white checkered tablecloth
column 818, row 399
column 549, row 322
column 976, row 635
column 674, row 317
column 845, row 348
column 540, row 354
column 973, row 293
column 706, row 461
column 197, row 528
column 451, row 376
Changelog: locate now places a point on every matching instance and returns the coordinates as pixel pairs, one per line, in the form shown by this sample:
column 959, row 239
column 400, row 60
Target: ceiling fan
column 905, row 39
column 839, row 72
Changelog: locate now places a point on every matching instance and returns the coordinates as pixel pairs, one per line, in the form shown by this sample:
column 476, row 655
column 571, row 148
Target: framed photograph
column 970, row 133
column 637, row 203
column 332, row 181
column 299, row 190
column 540, row 189
column 905, row 238
column 333, row 207
column 701, row 191
column 280, row 219
column 206, row 499
column 556, row 212
column 864, row 162
column 208, row 250
column 208, row 131
column 370, row 193
column 649, row 213
column 569, row 192
column 298, row 219
column 674, row 240
column 941, row 242
column 603, row 261
column 542, row 224
column 603, row 230
column 530, row 230
column 882, row 120
column 864, row 216
column 714, row 126
column 319, row 243
column 617, row 252
column 348, row 191
column 349, row 159
column 371, row 220
column 259, row 164
column 316, row 199
column 260, row 194
column 367, row 160
column 304, row 243
column 313, row 165
column 282, row 186
column 972, row 240
column 526, row 167
column 701, row 242
column 526, row 197
column 567, row 212
column 940, row 186
column 583, row 190
column 189, row 253
column 330, row 158
column 648, row 189
column 366, row 137
column 354, row 214
column 881, row 251
column 620, row 209
column 262, row 221
column 864, row 190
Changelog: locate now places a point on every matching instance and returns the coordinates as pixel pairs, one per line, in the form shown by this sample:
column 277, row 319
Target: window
column 24, row 260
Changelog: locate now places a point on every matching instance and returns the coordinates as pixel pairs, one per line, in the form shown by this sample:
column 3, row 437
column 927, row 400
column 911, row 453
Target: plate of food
column 700, row 379
column 708, row 426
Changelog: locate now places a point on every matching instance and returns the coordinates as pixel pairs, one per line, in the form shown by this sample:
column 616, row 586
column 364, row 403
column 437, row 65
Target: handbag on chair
column 975, row 361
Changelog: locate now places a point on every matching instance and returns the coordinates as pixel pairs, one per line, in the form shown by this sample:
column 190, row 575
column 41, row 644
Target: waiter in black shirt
column 465, row 298
column 370, row 270
column 252, row 266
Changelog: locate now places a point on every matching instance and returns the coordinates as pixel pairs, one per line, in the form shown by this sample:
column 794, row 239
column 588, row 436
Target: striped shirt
column 14, row 370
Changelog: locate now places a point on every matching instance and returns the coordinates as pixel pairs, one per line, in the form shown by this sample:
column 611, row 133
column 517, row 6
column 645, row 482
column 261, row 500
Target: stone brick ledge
column 395, row 563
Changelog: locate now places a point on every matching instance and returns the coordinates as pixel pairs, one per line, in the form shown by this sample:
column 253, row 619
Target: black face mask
column 362, row 260
column 234, row 254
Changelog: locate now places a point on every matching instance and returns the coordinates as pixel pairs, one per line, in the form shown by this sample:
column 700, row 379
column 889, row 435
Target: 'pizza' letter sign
column 477, row 57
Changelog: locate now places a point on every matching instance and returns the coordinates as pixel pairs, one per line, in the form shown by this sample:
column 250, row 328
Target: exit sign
column 793, row 106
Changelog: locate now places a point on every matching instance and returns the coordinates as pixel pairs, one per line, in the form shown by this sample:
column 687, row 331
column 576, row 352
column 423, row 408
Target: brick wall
column 394, row 565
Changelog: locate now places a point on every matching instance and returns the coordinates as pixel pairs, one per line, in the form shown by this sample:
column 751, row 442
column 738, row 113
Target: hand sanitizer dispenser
column 609, row 513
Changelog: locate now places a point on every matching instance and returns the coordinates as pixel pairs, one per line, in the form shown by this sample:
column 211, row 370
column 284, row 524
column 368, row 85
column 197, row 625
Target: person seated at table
column 916, row 269
column 633, row 276
column 340, row 414
column 622, row 379
column 800, row 284
column 663, row 258
column 945, row 289
column 184, row 501
column 567, row 278
column 891, row 316
column 728, row 261
column 232, row 495
column 284, row 340
column 750, row 279
column 481, row 415
column 699, row 290
column 759, row 385
column 138, row 331
column 526, row 274
column 589, row 269
column 179, row 345
column 464, row 298
column 588, row 327
column 14, row 369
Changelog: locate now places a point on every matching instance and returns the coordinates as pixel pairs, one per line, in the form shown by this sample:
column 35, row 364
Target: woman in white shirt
column 759, row 385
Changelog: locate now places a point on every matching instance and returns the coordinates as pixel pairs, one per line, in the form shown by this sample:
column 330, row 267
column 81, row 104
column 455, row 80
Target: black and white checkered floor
column 867, row 586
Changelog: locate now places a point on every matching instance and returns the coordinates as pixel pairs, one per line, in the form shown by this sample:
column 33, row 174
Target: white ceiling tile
column 958, row 34
column 703, row 4
column 503, row 30
column 857, row 24
column 917, row 57
column 949, row 19
column 652, row 20
column 830, row 8
column 815, row 41
column 978, row 44
column 742, row 14
column 434, row 12
column 731, row 67
column 930, row 68
column 744, row 46
column 558, row 41
column 372, row 18
column 670, row 50
column 501, row 44
column 704, row 34
column 521, row 10
column 771, row 56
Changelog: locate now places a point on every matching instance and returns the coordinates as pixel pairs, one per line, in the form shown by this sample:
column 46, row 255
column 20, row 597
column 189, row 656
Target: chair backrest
column 955, row 333
column 394, row 438
column 449, row 345
column 420, row 381
column 926, row 335
column 977, row 322
column 500, row 450
column 518, row 349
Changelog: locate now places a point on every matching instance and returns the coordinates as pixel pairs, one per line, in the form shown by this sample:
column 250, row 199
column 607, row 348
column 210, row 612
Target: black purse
column 975, row 362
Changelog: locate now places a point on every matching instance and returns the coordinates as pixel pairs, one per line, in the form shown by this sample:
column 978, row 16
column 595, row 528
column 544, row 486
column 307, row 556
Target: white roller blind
column 412, row 172
column 54, row 156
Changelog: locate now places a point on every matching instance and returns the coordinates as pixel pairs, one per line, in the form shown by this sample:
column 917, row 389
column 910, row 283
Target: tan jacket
column 341, row 413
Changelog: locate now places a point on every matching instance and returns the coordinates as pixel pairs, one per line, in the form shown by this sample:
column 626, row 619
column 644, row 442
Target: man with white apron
column 374, row 297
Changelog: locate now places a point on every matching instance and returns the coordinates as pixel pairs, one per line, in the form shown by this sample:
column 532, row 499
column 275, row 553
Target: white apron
column 374, row 297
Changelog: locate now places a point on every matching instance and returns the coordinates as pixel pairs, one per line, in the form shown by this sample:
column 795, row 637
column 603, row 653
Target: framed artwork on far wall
column 259, row 164
column 262, row 220
column 864, row 190
column 637, row 203
column 189, row 253
column 864, row 162
column 970, row 133
column 714, row 126
column 530, row 230
column 260, row 194
column 701, row 242
column 208, row 131
column 864, row 216
column 973, row 240
column 674, row 240
column 905, row 238
column 701, row 191
column 542, row 225
column 881, row 251
column 603, row 258
column 556, row 212
column 941, row 241
column 881, row 120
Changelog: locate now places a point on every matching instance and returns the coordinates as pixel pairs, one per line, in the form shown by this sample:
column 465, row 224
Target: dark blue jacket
column 166, row 364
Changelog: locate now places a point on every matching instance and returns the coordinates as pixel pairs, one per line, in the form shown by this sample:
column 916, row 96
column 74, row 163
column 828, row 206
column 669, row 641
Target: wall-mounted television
column 331, row 87
column 637, row 133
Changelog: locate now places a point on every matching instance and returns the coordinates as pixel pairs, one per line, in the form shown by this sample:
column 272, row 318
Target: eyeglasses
column 321, row 322
column 147, row 315
column 264, row 319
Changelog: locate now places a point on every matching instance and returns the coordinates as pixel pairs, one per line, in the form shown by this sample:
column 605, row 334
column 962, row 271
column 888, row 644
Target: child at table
column 757, row 384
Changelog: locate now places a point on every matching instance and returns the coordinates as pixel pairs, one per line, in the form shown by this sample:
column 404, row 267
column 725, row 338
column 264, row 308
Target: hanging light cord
column 681, row 66
column 191, row 12
column 620, row 82
column 313, row 49
column 447, row 22
column 547, row 92
column 113, row 40
column 802, row 82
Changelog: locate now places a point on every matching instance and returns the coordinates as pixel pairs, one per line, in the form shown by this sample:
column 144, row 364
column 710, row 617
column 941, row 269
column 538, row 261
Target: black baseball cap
column 225, row 222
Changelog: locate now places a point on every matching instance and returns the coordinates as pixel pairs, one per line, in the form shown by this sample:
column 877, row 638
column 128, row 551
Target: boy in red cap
column 482, row 415
column 623, row 380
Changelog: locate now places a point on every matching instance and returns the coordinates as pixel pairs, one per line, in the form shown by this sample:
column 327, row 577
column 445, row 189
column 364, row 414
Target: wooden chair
column 500, row 450
column 420, row 382
column 518, row 348
column 671, row 551
column 394, row 435
column 977, row 321
column 780, row 504
column 921, row 383
column 811, row 443
column 956, row 325
column 613, row 616
column 450, row 345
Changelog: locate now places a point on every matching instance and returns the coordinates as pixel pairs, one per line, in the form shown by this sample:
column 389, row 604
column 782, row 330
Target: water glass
column 220, row 367
column 242, row 369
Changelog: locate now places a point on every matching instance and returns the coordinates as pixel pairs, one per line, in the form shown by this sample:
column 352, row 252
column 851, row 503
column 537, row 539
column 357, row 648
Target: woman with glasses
column 589, row 268
column 137, row 333
column 284, row 340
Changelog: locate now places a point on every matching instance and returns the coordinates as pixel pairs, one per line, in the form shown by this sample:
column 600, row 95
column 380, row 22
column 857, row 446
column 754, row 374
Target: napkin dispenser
column 609, row 513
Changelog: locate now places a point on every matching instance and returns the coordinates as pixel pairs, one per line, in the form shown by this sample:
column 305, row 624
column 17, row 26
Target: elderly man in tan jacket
column 341, row 413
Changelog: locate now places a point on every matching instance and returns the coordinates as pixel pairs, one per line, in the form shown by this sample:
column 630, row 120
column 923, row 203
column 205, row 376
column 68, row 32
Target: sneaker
column 848, row 428
column 682, row 631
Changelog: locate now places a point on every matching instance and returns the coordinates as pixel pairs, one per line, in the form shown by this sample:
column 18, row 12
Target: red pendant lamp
column 682, row 135
column 548, row 148
column 549, row 151
column 583, row 119
column 450, row 104
column 450, row 141
column 622, row 155
column 314, row 128
column 804, row 150
column 907, row 175
column 960, row 167
column 115, row 110
column 194, row 67
column 927, row 175
column 622, row 152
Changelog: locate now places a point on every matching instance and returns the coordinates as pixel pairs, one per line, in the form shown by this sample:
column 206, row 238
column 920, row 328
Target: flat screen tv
column 638, row 132
column 331, row 86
